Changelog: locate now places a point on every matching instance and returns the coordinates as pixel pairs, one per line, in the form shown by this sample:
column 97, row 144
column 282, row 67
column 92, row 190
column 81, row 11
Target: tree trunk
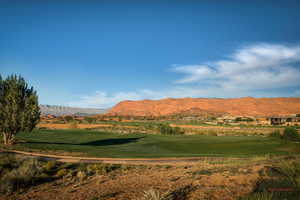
column 8, row 138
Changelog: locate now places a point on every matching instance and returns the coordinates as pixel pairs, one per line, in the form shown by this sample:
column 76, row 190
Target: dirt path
column 136, row 161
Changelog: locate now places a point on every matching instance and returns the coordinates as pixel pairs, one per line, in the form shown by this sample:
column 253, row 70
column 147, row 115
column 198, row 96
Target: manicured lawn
column 102, row 144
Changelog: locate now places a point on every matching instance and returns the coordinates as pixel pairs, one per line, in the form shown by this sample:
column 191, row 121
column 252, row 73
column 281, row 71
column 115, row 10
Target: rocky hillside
column 197, row 112
column 64, row 110
column 246, row 106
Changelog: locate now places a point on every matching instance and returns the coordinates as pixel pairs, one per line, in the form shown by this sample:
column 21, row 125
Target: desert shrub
column 7, row 162
column 202, row 172
column 180, row 193
column 259, row 196
column 290, row 134
column 81, row 175
column 73, row 124
column 27, row 174
column 289, row 170
column 275, row 134
column 90, row 120
column 68, row 118
column 62, row 172
column 152, row 194
column 166, row 129
column 282, row 180
column 50, row 165
column 101, row 168
column 177, row 194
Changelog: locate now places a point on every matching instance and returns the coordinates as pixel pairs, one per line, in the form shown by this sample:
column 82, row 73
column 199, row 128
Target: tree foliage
column 291, row 134
column 166, row 129
column 19, row 109
column 68, row 118
column 90, row 120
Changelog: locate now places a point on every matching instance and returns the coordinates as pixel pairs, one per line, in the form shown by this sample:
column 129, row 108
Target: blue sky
column 97, row 53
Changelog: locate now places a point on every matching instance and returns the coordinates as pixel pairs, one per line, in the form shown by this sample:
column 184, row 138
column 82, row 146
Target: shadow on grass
column 106, row 142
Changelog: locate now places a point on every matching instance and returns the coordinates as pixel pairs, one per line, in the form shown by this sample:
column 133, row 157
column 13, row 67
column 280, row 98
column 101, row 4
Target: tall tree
column 19, row 108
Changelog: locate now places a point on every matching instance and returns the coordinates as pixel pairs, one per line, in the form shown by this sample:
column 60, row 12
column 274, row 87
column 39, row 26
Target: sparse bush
column 275, row 134
column 289, row 170
column 290, row 134
column 180, row 193
column 73, row 124
column 50, row 165
column 259, row 196
column 8, row 162
column 68, row 118
column 166, row 129
column 81, row 175
column 28, row 173
column 62, row 172
column 281, row 182
column 101, row 168
column 90, row 120
column 152, row 194
column 202, row 172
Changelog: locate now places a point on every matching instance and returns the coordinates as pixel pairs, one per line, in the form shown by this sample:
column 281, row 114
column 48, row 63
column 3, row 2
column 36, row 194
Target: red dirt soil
column 246, row 106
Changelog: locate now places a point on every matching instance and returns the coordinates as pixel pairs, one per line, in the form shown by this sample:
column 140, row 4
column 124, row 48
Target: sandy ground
column 223, row 184
column 136, row 161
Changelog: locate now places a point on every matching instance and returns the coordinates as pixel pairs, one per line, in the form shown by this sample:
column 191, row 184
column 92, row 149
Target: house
column 226, row 119
column 263, row 121
column 285, row 120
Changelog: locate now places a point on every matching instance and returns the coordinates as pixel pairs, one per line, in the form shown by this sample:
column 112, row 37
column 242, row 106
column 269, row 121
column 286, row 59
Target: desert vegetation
column 263, row 177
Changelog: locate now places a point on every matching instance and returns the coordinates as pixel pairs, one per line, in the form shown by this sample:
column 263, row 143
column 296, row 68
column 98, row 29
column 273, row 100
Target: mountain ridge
column 66, row 110
column 244, row 106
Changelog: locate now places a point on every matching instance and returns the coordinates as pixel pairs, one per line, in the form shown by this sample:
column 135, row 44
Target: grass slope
column 102, row 144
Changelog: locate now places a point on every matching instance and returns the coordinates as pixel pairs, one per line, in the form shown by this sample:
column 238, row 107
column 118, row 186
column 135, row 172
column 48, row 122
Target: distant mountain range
column 65, row 110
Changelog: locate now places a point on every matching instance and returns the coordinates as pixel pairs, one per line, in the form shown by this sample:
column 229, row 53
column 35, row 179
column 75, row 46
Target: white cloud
column 262, row 65
column 103, row 100
column 255, row 70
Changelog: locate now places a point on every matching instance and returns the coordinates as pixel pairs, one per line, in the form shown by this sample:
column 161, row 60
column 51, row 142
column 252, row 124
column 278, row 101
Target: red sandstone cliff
column 246, row 106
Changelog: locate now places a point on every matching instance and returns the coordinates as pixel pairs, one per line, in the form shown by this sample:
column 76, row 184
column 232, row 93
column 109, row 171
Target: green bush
column 62, row 172
column 275, row 134
column 68, row 118
column 27, row 174
column 50, row 165
column 166, row 129
column 290, row 134
column 282, row 182
column 101, row 168
column 259, row 196
column 90, row 120
column 7, row 162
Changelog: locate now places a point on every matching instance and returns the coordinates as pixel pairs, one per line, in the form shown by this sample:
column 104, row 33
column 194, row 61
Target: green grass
column 103, row 144
column 196, row 123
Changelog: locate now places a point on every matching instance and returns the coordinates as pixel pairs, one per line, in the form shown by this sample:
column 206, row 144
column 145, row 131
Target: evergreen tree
column 19, row 108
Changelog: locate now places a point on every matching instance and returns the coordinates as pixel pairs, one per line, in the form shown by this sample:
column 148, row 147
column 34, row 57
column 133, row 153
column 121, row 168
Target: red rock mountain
column 246, row 106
